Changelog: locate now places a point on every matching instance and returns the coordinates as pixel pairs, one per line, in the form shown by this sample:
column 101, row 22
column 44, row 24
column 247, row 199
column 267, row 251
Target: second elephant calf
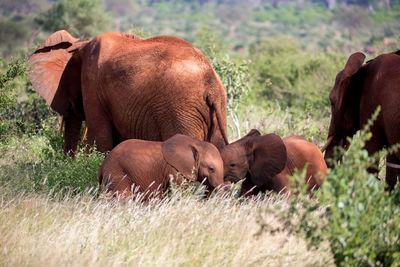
column 267, row 161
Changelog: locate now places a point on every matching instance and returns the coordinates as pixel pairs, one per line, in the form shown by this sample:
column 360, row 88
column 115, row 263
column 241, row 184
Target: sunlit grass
column 85, row 230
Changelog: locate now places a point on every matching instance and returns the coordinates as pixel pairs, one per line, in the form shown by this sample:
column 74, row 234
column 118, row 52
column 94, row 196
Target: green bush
column 34, row 164
column 354, row 214
column 292, row 15
column 300, row 79
column 83, row 18
column 22, row 110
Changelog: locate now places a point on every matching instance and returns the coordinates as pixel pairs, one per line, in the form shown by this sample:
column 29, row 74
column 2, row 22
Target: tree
column 12, row 35
column 83, row 18
column 352, row 18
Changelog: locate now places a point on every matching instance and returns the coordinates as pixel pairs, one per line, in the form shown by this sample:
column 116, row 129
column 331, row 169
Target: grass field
column 37, row 230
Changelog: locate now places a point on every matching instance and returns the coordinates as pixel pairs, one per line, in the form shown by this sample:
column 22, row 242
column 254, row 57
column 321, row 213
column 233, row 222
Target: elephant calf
column 145, row 166
column 266, row 162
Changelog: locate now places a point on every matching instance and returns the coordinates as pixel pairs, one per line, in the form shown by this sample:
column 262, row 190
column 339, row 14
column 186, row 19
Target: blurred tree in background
column 83, row 18
column 352, row 18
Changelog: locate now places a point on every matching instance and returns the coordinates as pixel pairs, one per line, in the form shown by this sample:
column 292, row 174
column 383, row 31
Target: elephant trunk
column 333, row 142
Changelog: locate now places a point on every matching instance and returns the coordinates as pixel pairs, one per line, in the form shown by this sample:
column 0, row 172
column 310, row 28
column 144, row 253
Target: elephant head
column 345, row 105
column 194, row 159
column 257, row 157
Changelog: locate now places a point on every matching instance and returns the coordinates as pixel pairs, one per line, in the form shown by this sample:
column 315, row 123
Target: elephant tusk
column 328, row 142
column 84, row 135
column 347, row 146
column 61, row 125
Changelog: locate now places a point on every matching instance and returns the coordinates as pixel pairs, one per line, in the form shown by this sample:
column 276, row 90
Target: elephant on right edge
column 359, row 89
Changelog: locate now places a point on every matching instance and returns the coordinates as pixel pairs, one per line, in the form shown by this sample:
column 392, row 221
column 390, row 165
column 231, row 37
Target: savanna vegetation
column 277, row 60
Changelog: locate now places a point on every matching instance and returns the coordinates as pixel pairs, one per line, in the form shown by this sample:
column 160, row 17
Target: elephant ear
column 253, row 132
column 55, row 71
column 354, row 63
column 267, row 157
column 182, row 153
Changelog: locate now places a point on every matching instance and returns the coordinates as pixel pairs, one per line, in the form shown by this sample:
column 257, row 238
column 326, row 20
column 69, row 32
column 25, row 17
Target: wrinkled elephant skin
column 127, row 87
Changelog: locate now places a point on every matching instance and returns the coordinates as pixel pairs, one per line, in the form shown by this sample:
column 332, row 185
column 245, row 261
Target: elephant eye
column 233, row 164
column 210, row 169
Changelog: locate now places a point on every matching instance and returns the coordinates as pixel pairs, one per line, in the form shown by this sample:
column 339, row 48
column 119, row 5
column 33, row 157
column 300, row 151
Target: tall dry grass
column 181, row 230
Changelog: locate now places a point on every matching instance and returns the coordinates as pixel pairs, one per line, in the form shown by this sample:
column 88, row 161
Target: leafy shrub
column 282, row 71
column 34, row 166
column 9, row 72
column 22, row 110
column 84, row 18
column 354, row 214
column 291, row 14
column 34, row 162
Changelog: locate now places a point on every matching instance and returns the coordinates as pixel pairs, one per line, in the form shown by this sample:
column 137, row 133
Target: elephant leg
column 100, row 131
column 72, row 132
column 121, row 187
column 392, row 171
column 373, row 145
column 248, row 188
column 101, row 136
column 279, row 184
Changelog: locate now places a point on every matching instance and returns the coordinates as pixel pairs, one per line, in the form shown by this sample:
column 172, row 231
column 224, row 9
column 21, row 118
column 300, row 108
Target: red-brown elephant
column 267, row 161
column 126, row 87
column 359, row 89
column 145, row 166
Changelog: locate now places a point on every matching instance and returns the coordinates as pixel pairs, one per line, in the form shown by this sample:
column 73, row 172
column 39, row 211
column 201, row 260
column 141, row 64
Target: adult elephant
column 127, row 87
column 359, row 89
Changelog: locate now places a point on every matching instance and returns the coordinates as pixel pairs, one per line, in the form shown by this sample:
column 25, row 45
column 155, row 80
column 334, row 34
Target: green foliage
column 141, row 32
column 282, row 71
column 292, row 15
column 22, row 110
column 15, row 68
column 41, row 168
column 13, row 32
column 352, row 18
column 354, row 214
column 83, row 18
column 8, row 73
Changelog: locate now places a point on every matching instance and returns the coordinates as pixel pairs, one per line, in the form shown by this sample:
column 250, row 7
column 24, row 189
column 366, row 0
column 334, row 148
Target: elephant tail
column 100, row 177
column 221, row 125
column 217, row 106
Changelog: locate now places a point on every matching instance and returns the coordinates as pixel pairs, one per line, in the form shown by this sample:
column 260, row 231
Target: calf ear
column 253, row 132
column 182, row 153
column 267, row 157
column 55, row 71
